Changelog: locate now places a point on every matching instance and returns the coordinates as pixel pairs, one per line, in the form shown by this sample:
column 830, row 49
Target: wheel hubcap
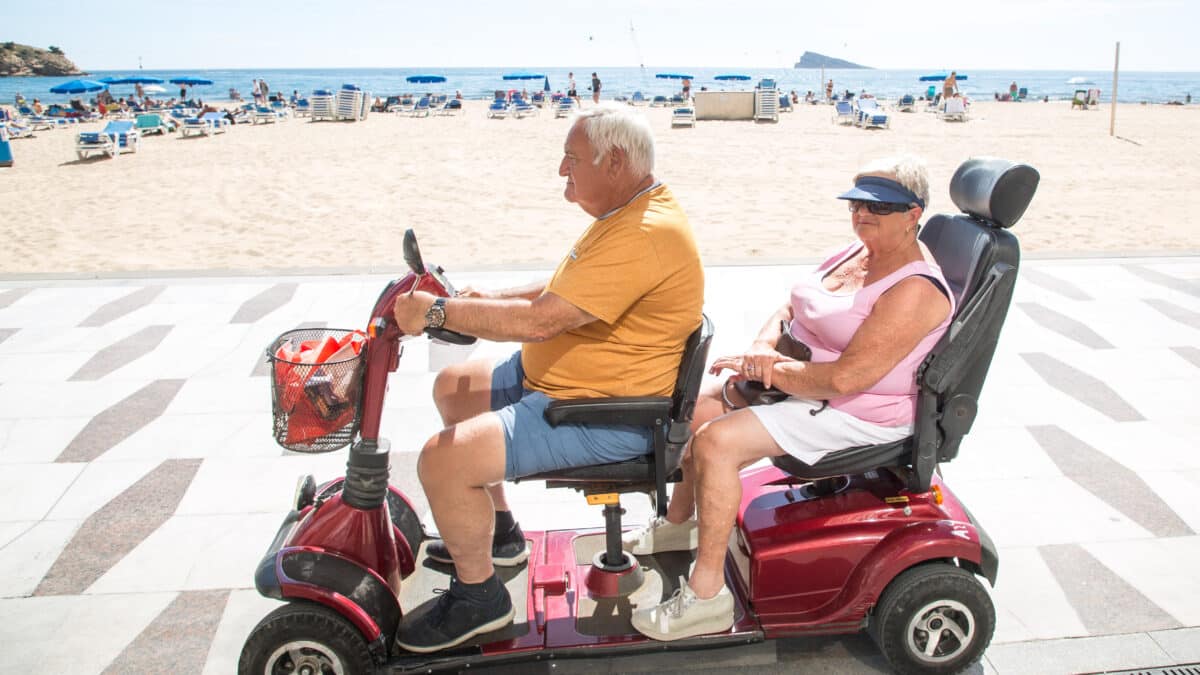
column 304, row 657
column 940, row 631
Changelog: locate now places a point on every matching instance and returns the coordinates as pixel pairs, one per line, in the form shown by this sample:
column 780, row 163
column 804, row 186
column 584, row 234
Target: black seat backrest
column 979, row 258
column 691, row 371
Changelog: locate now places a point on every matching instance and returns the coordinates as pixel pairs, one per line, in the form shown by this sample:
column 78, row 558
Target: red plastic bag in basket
column 305, row 425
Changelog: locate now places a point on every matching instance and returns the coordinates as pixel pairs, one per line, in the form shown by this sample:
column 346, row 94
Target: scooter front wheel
column 934, row 618
column 304, row 637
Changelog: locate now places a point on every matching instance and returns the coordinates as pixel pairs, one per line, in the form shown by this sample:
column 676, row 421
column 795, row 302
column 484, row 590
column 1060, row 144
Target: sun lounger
column 6, row 156
column 497, row 109
column 638, row 98
column 302, row 108
column 151, row 123
column 871, row 115
column 906, row 103
column 564, row 107
column 658, row 102
column 422, row 108
column 264, row 115
column 522, row 108
column 843, row 113
column 17, row 129
column 451, row 107
column 683, row 116
column 116, row 137
column 322, row 105
column 955, row 110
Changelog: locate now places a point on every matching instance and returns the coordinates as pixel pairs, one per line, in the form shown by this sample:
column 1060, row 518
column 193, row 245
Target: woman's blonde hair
column 907, row 170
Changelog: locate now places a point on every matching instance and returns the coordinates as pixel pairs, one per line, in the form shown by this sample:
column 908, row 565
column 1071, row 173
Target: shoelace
column 679, row 600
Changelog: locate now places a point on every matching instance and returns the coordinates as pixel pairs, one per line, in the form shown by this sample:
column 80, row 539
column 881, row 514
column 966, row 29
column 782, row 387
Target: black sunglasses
column 878, row 208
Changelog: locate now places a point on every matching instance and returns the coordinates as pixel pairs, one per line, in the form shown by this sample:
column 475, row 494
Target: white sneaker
column 684, row 615
column 662, row 535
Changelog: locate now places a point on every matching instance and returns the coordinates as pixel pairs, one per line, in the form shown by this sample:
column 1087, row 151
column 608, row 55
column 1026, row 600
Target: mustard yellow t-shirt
column 639, row 273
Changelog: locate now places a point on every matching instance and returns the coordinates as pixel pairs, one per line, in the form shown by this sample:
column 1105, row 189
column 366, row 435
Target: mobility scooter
column 869, row 537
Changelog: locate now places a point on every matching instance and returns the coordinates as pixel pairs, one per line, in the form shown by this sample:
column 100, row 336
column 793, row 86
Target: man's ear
column 616, row 161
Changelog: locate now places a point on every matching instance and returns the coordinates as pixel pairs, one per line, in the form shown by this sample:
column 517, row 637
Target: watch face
column 436, row 316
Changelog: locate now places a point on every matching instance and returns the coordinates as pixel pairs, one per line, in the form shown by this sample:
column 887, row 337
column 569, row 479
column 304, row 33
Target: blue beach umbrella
column 523, row 76
column 732, row 77
column 136, row 79
column 546, row 85
column 674, row 76
column 190, row 81
column 426, row 79
column 78, row 87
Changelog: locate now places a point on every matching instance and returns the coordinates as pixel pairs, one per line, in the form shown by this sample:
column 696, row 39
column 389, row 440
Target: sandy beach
column 485, row 193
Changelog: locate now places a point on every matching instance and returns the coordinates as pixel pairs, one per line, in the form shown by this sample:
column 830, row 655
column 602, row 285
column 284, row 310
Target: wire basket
column 315, row 407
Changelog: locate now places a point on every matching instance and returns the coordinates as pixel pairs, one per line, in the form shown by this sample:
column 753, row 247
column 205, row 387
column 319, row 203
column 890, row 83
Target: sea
column 481, row 83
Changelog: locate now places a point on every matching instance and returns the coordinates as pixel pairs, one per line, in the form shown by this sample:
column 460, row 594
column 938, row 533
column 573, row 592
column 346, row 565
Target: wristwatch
column 436, row 316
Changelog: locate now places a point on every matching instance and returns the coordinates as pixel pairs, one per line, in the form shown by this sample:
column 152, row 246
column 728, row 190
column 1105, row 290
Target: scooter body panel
column 813, row 564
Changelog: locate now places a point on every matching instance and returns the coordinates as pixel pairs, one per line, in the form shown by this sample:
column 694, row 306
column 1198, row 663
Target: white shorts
column 809, row 437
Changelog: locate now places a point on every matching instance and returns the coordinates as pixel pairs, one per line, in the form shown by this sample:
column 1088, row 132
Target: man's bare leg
column 462, row 391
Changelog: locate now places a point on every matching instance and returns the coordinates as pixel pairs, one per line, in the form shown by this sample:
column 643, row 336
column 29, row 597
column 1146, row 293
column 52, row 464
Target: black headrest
column 995, row 190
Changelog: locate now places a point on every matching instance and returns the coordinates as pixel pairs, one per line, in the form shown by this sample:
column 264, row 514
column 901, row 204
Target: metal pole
column 1112, row 121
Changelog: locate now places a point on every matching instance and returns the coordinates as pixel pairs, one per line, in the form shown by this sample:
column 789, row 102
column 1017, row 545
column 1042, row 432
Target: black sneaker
column 458, row 616
column 509, row 549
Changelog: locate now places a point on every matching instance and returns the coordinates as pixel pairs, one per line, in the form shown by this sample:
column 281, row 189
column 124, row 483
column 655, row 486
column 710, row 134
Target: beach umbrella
column 136, row 79
column 523, row 76
column 426, row 79
column 78, row 87
column 938, row 77
column 674, row 76
column 190, row 81
column 546, row 84
column 732, row 77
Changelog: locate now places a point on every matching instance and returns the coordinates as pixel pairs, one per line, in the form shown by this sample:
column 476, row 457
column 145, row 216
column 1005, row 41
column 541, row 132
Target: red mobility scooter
column 869, row 537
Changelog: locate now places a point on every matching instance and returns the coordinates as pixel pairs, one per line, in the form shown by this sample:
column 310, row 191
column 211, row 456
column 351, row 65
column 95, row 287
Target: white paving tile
column 1014, row 513
column 1163, row 569
column 242, row 613
column 1000, row 453
column 178, row 436
column 39, row 440
column 29, row 491
column 186, row 350
column 191, row 553
column 27, row 558
column 231, row 395
column 254, row 485
column 63, row 399
column 18, row 369
column 1028, row 592
column 10, row 531
column 74, row 634
column 1178, row 489
column 97, row 485
column 1141, row 446
column 1182, row 644
column 1076, row 655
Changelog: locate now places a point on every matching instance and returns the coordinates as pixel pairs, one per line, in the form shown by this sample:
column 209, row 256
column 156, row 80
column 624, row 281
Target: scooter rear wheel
column 304, row 637
column 934, row 618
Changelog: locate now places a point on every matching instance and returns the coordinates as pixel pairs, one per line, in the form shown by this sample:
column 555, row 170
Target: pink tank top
column 826, row 321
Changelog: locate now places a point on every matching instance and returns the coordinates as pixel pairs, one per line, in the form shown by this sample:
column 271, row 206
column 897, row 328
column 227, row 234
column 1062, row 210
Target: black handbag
column 753, row 391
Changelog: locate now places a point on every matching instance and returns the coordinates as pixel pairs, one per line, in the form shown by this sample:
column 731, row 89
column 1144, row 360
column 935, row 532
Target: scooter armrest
column 642, row 411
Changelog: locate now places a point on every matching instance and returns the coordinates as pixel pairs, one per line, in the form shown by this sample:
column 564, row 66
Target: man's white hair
column 610, row 125
column 907, row 170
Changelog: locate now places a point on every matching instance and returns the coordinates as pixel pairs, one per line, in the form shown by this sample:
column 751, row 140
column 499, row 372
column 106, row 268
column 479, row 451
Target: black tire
column 939, row 602
column 301, row 634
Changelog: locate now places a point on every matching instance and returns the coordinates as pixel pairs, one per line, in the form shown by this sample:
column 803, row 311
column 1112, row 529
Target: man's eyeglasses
column 878, row 208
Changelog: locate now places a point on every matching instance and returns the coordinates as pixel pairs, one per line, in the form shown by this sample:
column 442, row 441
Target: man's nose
column 562, row 167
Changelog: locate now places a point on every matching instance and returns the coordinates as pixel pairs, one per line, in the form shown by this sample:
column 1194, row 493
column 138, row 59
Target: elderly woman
column 869, row 314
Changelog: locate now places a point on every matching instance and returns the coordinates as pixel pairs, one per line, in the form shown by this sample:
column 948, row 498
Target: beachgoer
column 796, row 97
column 595, row 88
column 585, row 335
column 571, row 90
column 829, row 90
column 266, row 91
column 870, row 314
column 137, row 89
column 19, row 99
column 182, row 92
column 687, row 87
column 234, row 95
column 950, row 85
column 458, row 95
column 1012, row 91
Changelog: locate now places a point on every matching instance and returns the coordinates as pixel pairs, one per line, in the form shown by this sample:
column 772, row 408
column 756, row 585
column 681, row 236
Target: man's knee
column 459, row 389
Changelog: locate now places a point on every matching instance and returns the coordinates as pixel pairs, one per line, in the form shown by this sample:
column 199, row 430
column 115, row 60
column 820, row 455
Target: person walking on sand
column 595, row 89
column 571, row 92
column 829, row 90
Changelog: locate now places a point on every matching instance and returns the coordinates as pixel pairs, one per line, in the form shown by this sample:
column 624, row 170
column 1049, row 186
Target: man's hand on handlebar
column 410, row 310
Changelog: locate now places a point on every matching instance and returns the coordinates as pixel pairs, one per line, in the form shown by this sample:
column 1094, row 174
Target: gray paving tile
column 1110, row 481
column 1182, row 644
column 12, row 295
column 118, row 527
column 1183, row 315
column 1172, row 282
column 1087, row 389
column 121, row 353
column 264, row 303
column 1192, row 354
column 1064, row 325
column 6, row 333
column 120, row 421
column 1053, row 283
column 262, row 367
column 122, row 306
column 1105, row 603
column 187, row 625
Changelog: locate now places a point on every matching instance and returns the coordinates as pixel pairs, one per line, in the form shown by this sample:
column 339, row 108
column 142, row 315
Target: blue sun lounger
column 118, row 136
column 6, row 157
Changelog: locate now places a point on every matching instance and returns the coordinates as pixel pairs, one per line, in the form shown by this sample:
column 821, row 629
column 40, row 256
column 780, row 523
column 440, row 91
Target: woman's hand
column 472, row 292
column 756, row 364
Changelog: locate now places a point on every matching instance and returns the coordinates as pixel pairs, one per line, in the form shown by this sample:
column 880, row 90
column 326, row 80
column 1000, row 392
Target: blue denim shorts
column 532, row 446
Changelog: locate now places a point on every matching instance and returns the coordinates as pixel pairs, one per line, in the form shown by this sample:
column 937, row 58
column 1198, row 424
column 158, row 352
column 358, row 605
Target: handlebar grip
column 450, row 336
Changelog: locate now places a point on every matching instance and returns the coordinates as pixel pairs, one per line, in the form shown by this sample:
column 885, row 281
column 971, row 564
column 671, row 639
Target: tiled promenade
column 139, row 484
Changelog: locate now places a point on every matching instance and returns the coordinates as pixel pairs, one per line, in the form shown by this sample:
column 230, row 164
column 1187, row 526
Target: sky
column 1155, row 35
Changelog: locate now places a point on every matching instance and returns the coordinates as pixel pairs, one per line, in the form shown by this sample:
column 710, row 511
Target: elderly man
column 612, row 321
